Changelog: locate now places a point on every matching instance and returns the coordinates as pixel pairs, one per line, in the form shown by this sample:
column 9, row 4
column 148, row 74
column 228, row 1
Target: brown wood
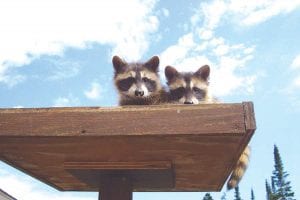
column 249, row 116
column 116, row 188
column 151, row 120
column 142, row 174
column 157, row 148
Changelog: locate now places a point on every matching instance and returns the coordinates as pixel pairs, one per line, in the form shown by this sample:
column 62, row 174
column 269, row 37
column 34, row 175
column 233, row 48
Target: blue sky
column 58, row 53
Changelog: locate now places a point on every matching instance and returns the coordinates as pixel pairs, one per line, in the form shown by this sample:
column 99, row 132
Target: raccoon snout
column 139, row 93
column 188, row 102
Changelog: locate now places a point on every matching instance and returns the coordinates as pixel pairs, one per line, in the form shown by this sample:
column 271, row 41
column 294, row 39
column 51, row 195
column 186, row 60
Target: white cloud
column 255, row 12
column 33, row 28
column 292, row 89
column 249, row 50
column 296, row 82
column 242, row 12
column 205, row 34
column 175, row 53
column 221, row 50
column 166, row 12
column 11, row 80
column 225, row 78
column 94, row 92
column 66, row 101
column 24, row 188
column 213, row 13
column 294, row 85
column 226, row 62
column 296, row 62
column 62, row 69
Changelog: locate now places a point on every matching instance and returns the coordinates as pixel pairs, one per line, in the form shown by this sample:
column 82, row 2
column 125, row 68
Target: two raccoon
column 139, row 84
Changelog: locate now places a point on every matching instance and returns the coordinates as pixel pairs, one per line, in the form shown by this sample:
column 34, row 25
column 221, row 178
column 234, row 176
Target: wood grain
column 151, row 120
column 160, row 148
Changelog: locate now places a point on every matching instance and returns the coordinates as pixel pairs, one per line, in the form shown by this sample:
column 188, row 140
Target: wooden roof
column 160, row 148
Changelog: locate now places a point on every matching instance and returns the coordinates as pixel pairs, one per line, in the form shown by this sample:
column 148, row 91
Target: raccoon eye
column 199, row 93
column 178, row 93
column 145, row 79
column 198, row 90
column 180, row 89
column 150, row 84
column 125, row 84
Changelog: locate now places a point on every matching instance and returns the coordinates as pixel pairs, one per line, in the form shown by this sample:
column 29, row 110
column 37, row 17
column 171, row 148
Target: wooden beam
column 215, row 119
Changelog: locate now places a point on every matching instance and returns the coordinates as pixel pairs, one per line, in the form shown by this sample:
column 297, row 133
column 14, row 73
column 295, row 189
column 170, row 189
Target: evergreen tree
column 269, row 191
column 207, row 196
column 280, row 186
column 273, row 185
column 237, row 195
column 252, row 195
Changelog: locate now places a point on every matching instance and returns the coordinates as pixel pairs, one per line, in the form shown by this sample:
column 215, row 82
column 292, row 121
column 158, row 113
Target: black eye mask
column 125, row 84
column 199, row 93
column 177, row 93
column 150, row 84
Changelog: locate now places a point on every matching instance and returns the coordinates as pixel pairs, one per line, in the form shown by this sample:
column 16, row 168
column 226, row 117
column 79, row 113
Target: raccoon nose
column 188, row 102
column 139, row 93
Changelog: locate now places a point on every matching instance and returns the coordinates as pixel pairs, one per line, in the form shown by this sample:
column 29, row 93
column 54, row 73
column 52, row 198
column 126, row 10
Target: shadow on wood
column 153, row 148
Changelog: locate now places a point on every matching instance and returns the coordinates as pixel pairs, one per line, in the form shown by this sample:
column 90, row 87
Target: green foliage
column 281, row 188
column 207, row 196
column 269, row 192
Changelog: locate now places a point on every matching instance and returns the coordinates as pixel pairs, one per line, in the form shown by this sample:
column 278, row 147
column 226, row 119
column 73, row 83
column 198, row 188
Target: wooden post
column 116, row 188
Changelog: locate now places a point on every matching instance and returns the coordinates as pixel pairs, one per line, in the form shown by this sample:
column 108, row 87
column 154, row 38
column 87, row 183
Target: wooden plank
column 158, row 174
column 152, row 120
column 250, row 123
column 159, row 148
column 155, row 174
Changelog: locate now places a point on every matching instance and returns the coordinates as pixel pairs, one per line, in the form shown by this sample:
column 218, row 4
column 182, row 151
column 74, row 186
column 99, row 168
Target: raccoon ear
column 152, row 64
column 203, row 72
column 119, row 64
column 170, row 73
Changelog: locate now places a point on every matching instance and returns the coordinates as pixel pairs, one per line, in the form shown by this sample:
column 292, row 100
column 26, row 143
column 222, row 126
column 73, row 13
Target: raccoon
column 189, row 88
column 193, row 88
column 138, row 83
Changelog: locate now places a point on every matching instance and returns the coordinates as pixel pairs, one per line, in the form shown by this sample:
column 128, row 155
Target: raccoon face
column 138, row 80
column 188, row 88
